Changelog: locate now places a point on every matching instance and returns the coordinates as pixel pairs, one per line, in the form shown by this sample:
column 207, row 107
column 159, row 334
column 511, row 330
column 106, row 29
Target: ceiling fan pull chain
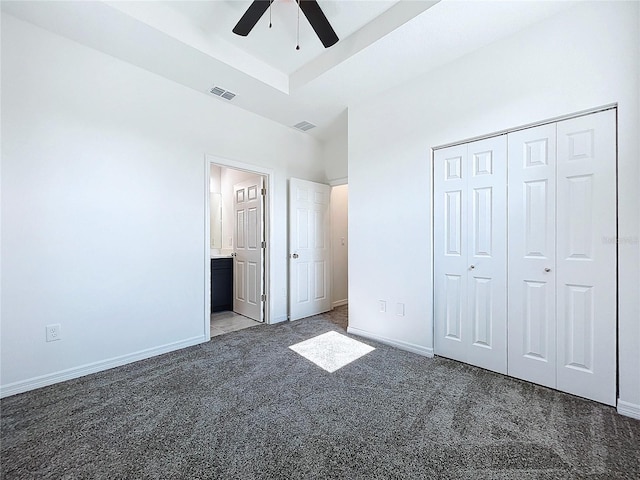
column 298, row 32
column 270, row 2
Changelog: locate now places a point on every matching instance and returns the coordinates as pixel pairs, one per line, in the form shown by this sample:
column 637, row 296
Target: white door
column 562, row 271
column 586, row 261
column 487, row 253
column 450, row 251
column 309, row 249
column 470, row 253
column 248, row 271
column 532, row 254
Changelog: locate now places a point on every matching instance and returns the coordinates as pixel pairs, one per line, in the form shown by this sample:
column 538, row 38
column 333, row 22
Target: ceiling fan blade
column 319, row 22
column 251, row 17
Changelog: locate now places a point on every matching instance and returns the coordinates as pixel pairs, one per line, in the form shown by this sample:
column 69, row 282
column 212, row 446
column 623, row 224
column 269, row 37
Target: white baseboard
column 629, row 409
column 339, row 303
column 71, row 373
column 410, row 347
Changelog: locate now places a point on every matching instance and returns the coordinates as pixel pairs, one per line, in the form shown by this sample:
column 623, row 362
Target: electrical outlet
column 383, row 305
column 53, row 332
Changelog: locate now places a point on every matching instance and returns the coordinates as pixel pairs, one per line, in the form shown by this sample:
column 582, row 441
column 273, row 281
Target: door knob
column 547, row 269
column 472, row 267
column 295, row 255
column 234, row 254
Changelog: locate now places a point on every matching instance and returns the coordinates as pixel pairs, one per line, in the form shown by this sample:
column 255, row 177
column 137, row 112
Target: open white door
column 248, row 264
column 309, row 249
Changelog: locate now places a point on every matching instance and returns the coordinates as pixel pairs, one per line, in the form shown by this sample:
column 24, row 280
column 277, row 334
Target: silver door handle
column 547, row 269
column 234, row 254
column 472, row 267
column 295, row 255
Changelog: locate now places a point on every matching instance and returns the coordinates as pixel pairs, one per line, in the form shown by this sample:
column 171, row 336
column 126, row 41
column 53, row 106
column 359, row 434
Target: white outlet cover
column 53, row 332
column 331, row 351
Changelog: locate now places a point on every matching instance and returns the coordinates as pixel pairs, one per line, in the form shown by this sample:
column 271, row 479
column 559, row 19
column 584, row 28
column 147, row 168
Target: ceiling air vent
column 221, row 92
column 304, row 126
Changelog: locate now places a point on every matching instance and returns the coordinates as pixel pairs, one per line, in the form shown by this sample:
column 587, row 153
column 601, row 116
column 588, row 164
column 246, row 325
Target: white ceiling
column 382, row 44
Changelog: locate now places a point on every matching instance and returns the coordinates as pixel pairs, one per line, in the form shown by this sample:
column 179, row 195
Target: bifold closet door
column 562, row 271
column 532, row 255
column 450, row 252
column 470, row 253
column 586, row 261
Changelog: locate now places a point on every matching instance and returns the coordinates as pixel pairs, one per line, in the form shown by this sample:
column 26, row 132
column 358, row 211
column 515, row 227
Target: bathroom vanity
column 221, row 284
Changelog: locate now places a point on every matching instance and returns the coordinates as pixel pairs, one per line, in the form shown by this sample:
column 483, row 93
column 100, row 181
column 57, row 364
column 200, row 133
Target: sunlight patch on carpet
column 331, row 351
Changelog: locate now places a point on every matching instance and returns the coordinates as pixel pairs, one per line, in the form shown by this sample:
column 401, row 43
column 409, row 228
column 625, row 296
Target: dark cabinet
column 221, row 284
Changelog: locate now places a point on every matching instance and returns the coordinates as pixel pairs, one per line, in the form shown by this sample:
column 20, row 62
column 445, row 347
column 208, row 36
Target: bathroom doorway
column 237, row 245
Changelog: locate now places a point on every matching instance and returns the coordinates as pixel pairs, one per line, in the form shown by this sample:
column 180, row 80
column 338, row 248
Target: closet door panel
column 450, row 252
column 486, row 204
column 586, row 272
column 532, row 238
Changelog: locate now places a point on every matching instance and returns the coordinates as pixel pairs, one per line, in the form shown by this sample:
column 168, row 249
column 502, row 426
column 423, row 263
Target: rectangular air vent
column 304, row 126
column 221, row 92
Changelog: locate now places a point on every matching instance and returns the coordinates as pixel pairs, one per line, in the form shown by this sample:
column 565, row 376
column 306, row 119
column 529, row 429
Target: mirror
column 215, row 200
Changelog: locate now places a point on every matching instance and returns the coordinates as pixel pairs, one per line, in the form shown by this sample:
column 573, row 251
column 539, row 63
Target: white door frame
column 269, row 280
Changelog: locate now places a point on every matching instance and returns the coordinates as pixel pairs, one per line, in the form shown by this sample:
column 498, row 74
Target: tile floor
column 225, row 322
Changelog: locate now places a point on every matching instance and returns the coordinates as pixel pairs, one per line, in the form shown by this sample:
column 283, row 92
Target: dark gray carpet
column 244, row 406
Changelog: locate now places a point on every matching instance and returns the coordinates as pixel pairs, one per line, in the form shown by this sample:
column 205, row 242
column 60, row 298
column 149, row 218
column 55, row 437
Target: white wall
column 103, row 205
column 215, row 211
column 215, row 173
column 584, row 57
column 335, row 151
column 339, row 245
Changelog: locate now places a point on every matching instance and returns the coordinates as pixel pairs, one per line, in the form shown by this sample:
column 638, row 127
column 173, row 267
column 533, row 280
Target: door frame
column 269, row 177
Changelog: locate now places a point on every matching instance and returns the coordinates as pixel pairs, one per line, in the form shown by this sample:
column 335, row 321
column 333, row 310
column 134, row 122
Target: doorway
column 237, row 270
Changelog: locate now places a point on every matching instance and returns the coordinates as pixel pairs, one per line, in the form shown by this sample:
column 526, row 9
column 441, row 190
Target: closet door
column 586, row 261
column 486, row 326
column 450, row 251
column 532, row 254
column 470, row 253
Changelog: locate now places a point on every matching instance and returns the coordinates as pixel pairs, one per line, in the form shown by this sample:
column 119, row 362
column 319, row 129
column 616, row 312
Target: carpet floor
column 245, row 406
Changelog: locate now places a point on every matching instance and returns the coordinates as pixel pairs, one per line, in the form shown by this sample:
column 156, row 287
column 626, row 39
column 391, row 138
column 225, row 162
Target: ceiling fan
column 310, row 8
